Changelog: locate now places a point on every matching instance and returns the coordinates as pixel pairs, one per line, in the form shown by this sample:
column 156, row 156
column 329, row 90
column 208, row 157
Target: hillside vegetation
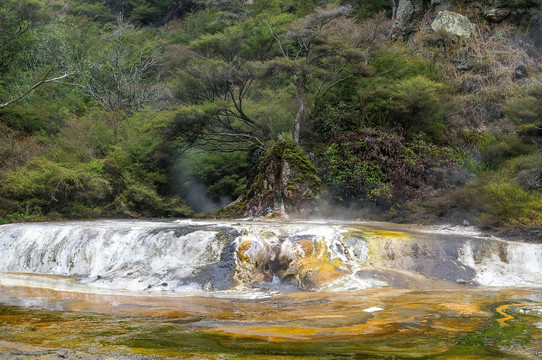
column 162, row 108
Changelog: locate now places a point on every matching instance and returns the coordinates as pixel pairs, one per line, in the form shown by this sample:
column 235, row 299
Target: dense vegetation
column 162, row 108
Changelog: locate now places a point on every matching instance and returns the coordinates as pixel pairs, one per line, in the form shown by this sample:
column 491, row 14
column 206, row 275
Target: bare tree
column 78, row 137
column 217, row 120
column 44, row 80
column 119, row 78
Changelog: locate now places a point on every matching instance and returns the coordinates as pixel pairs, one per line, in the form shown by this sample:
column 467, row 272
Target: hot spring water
column 247, row 289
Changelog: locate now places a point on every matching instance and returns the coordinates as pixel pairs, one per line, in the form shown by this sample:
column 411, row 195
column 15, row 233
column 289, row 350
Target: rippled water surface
column 369, row 324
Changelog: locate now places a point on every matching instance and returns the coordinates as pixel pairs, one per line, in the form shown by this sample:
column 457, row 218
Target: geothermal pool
column 258, row 290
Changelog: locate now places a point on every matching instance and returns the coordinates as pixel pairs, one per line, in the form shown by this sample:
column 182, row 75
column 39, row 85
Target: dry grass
column 367, row 36
column 493, row 55
column 482, row 69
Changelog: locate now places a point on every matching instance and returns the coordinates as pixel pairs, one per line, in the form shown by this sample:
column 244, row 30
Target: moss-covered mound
column 286, row 183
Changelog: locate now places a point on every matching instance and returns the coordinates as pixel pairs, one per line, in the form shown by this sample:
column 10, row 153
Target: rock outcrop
column 411, row 13
column 497, row 14
column 453, row 23
column 535, row 30
column 285, row 184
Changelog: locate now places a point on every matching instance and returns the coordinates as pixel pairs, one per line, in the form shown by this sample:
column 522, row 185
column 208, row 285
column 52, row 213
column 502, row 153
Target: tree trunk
column 298, row 82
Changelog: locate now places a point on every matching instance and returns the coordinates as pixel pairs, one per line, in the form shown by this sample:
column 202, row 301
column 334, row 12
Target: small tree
column 15, row 148
column 119, row 78
column 315, row 58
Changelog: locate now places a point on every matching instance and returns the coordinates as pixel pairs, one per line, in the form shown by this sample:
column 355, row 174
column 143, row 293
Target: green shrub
column 497, row 149
column 177, row 208
column 197, row 23
column 383, row 169
column 524, row 110
column 413, row 104
column 369, row 8
column 530, row 131
column 139, row 199
column 416, row 106
column 510, row 196
column 507, row 204
column 45, row 179
column 42, row 186
column 512, row 167
column 226, row 44
column 94, row 11
column 398, row 62
column 331, row 121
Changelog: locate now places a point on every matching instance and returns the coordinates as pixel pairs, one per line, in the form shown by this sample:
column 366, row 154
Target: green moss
column 296, row 158
column 514, row 333
column 269, row 170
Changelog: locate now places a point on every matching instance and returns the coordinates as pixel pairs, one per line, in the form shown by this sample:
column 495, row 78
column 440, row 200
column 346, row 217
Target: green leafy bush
column 507, row 204
column 382, row 168
column 510, row 196
column 398, row 62
column 139, row 199
column 497, row 149
column 524, row 110
column 95, row 11
column 49, row 185
column 330, row 121
column 411, row 105
column 512, row 167
column 369, row 8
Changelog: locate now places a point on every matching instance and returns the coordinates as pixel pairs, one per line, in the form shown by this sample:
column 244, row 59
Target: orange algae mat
column 369, row 324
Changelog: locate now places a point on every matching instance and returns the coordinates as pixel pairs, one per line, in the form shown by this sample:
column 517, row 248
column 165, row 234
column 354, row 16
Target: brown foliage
column 16, row 148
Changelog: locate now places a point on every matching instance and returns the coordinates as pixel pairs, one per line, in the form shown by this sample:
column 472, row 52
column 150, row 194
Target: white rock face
column 504, row 263
column 187, row 257
column 453, row 23
column 110, row 254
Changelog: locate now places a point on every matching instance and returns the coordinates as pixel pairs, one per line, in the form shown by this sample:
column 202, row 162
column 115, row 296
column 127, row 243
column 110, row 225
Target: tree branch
column 254, row 139
column 277, row 39
column 319, row 97
column 44, row 80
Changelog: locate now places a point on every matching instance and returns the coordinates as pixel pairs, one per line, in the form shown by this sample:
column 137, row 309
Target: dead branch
column 44, row 80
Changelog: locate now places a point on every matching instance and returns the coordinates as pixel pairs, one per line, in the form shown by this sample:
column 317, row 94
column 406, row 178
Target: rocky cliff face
column 488, row 50
column 411, row 13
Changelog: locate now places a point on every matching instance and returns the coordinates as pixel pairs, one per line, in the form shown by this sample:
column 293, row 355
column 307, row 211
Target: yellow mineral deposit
column 505, row 317
column 316, row 268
